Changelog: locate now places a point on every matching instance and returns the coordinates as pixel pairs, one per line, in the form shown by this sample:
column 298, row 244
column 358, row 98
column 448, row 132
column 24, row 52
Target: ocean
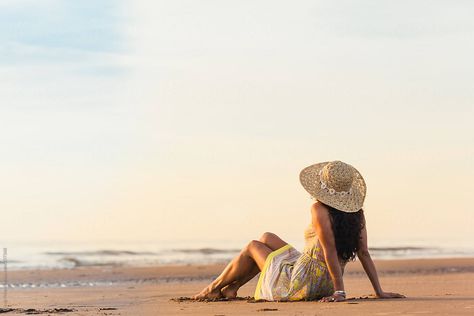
column 52, row 255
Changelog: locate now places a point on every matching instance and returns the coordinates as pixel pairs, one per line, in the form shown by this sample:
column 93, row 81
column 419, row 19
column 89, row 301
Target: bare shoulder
column 321, row 221
column 319, row 208
column 319, row 211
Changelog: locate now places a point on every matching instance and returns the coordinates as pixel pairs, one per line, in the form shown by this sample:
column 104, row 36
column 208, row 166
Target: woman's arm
column 369, row 267
column 322, row 225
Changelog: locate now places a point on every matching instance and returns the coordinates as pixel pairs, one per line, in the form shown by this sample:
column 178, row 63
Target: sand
column 432, row 287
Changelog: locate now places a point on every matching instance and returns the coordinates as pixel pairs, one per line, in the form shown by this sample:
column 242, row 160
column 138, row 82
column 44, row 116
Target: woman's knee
column 266, row 237
column 272, row 241
column 253, row 244
column 258, row 251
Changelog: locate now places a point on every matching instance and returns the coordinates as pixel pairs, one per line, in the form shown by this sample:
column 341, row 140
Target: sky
column 191, row 120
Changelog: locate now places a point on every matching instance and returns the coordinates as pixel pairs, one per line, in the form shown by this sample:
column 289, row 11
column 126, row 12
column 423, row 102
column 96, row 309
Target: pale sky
column 190, row 120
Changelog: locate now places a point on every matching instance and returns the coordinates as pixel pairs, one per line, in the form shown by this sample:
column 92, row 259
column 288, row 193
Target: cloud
column 83, row 38
column 374, row 19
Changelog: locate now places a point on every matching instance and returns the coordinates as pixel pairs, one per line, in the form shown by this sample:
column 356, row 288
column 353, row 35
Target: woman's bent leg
column 273, row 242
column 252, row 256
column 230, row 291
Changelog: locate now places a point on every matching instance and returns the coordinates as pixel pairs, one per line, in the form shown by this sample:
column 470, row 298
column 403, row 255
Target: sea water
column 48, row 255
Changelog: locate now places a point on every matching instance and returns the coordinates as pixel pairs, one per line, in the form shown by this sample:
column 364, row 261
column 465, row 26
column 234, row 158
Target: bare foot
column 230, row 291
column 208, row 294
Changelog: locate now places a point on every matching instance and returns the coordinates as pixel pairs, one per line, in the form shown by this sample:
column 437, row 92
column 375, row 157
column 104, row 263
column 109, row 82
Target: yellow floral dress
column 290, row 275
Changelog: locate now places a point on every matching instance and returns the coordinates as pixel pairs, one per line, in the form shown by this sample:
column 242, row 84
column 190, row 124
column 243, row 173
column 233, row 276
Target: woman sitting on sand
column 337, row 234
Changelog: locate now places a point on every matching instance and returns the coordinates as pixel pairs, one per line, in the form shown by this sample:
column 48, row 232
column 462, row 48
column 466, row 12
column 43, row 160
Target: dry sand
column 432, row 287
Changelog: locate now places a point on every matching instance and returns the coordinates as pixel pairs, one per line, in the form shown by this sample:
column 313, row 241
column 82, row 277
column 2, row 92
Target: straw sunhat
column 336, row 184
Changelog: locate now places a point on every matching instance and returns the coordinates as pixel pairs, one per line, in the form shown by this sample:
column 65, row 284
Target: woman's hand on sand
column 333, row 298
column 389, row 295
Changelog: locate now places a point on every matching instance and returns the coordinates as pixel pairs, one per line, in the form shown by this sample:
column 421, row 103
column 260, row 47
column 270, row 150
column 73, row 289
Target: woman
column 336, row 235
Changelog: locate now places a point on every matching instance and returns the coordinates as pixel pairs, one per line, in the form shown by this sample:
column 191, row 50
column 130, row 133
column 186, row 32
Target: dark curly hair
column 346, row 228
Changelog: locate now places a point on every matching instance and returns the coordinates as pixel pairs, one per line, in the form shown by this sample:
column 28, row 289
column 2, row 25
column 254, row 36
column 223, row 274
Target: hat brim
column 309, row 179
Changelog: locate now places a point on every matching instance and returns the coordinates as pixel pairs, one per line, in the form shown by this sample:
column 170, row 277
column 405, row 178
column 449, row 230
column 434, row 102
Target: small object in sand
column 267, row 310
column 253, row 300
column 6, row 310
column 207, row 300
column 107, row 308
column 34, row 311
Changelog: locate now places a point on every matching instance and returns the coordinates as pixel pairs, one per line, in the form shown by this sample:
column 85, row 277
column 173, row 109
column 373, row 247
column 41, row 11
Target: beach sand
column 432, row 287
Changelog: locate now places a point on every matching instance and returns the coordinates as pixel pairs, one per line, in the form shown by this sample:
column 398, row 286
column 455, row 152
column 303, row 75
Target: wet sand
column 432, row 287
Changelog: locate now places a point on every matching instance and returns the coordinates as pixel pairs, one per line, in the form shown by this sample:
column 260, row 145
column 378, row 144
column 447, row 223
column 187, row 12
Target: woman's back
column 313, row 247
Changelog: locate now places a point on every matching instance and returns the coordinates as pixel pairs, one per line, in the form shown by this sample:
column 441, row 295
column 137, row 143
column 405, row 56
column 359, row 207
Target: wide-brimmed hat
column 336, row 184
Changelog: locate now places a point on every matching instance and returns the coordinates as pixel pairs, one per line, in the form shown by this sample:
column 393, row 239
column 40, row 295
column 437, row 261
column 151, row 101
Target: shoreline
column 69, row 256
column 200, row 272
column 430, row 285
